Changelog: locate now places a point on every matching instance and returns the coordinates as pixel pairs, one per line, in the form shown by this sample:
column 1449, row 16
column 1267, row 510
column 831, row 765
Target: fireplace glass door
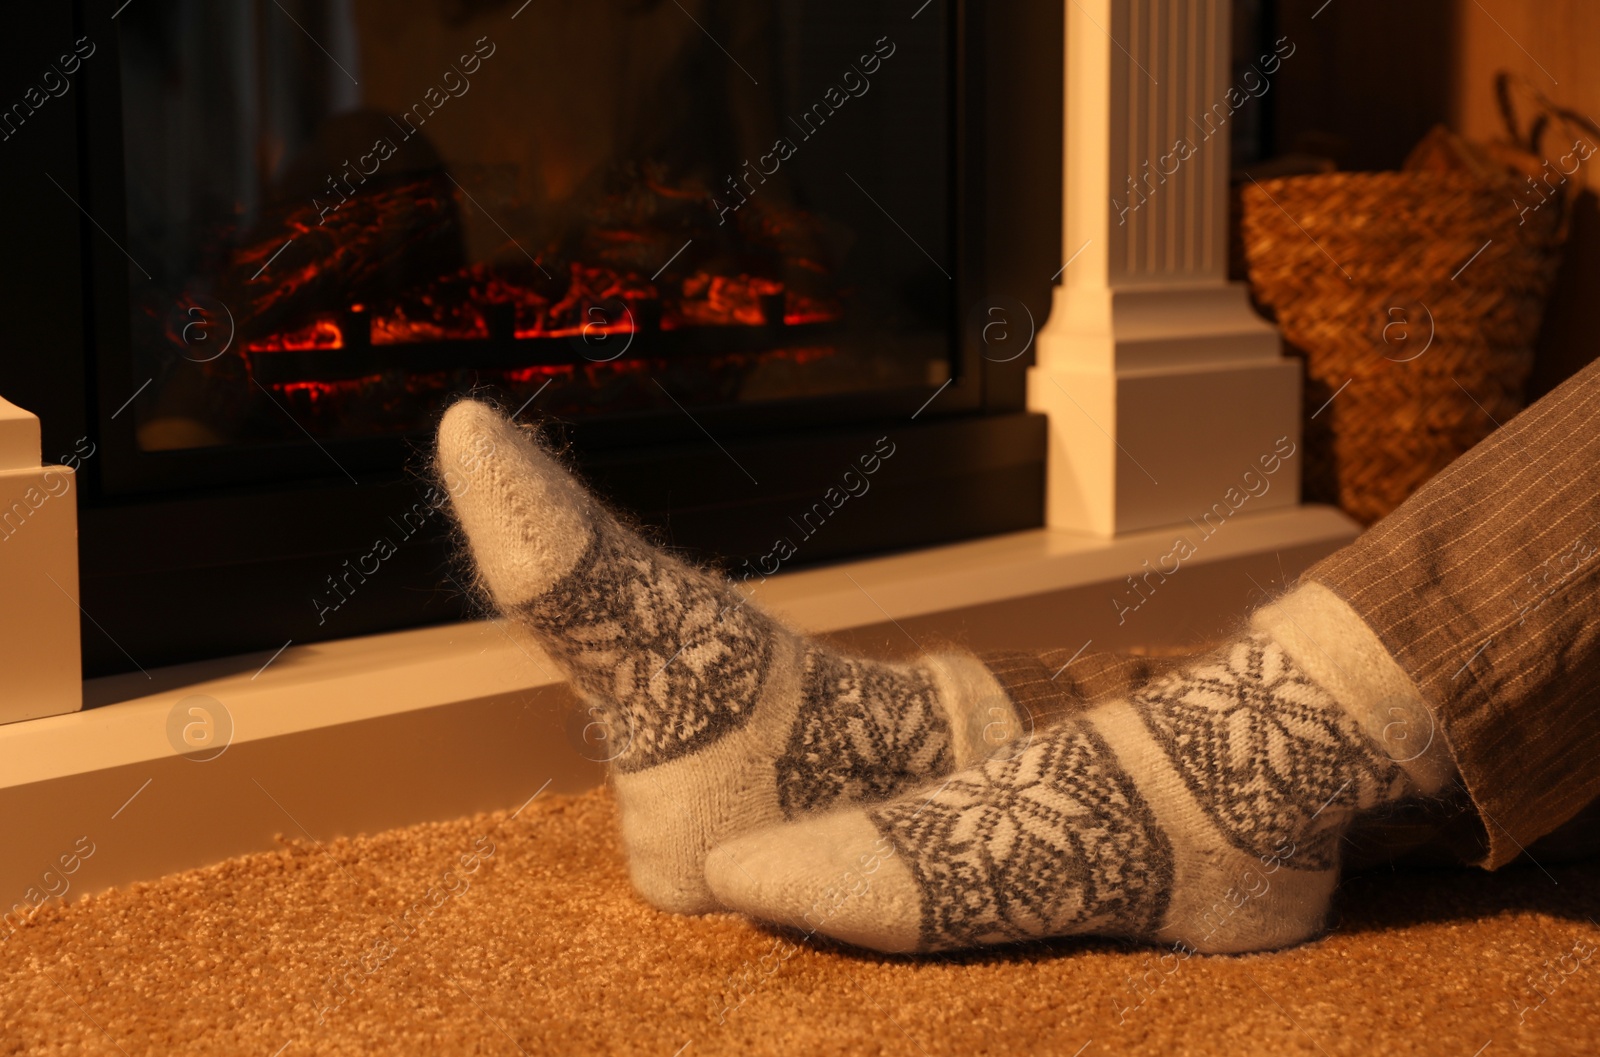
column 340, row 212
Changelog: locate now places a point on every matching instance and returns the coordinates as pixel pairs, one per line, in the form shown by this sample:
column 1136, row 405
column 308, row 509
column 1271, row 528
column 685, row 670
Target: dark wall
column 1367, row 78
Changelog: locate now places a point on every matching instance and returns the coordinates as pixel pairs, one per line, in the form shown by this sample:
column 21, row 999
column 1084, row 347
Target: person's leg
column 1209, row 808
column 725, row 720
column 1483, row 587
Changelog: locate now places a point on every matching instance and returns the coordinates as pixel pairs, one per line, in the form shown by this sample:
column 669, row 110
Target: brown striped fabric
column 1483, row 586
column 1058, row 683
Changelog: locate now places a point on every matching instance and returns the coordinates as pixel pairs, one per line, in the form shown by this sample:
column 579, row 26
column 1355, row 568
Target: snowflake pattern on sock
column 659, row 642
column 1270, row 756
column 1056, row 840
column 864, row 732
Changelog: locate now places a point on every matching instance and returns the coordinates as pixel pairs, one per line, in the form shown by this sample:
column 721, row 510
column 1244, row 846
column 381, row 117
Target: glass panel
column 361, row 206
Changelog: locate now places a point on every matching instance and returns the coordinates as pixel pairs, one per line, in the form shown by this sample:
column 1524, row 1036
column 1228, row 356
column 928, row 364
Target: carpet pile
column 520, row 935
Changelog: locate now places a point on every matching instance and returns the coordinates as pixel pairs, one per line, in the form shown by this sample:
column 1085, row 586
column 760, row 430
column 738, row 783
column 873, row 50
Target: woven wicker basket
column 1415, row 298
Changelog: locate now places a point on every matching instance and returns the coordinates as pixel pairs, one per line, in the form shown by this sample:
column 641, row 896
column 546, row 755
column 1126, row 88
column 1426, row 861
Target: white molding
column 40, row 660
column 320, row 685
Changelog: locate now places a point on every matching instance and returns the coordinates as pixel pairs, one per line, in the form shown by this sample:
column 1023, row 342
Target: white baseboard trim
column 359, row 735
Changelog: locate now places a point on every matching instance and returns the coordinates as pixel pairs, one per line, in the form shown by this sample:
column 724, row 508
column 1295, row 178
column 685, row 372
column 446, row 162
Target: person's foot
column 725, row 721
column 1207, row 809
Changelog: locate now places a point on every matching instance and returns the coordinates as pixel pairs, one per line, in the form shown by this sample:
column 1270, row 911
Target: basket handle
column 1545, row 115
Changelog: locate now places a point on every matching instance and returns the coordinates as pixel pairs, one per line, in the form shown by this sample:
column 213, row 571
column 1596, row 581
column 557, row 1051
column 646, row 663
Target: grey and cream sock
column 1206, row 809
column 724, row 721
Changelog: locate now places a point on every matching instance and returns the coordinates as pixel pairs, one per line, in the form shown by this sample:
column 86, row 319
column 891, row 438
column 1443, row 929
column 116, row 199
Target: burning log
column 383, row 240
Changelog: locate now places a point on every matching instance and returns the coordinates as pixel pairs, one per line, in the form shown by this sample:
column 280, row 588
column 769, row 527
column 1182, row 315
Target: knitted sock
column 723, row 720
column 1205, row 809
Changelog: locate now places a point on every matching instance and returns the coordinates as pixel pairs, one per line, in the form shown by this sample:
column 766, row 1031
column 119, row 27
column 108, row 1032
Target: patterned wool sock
column 1205, row 809
column 724, row 720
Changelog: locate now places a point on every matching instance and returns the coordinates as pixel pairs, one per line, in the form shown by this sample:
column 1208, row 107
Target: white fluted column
column 1162, row 385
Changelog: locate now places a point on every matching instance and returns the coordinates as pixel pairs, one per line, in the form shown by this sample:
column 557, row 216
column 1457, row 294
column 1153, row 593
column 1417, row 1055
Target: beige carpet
column 548, row 951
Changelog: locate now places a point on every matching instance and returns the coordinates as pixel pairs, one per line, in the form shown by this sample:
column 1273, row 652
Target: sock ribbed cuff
column 1337, row 649
column 983, row 718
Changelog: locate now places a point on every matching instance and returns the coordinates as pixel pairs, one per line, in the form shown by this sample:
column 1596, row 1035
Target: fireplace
column 722, row 250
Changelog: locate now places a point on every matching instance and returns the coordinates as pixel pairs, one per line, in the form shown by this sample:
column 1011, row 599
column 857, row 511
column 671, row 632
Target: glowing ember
column 391, row 263
column 456, row 309
column 323, row 334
